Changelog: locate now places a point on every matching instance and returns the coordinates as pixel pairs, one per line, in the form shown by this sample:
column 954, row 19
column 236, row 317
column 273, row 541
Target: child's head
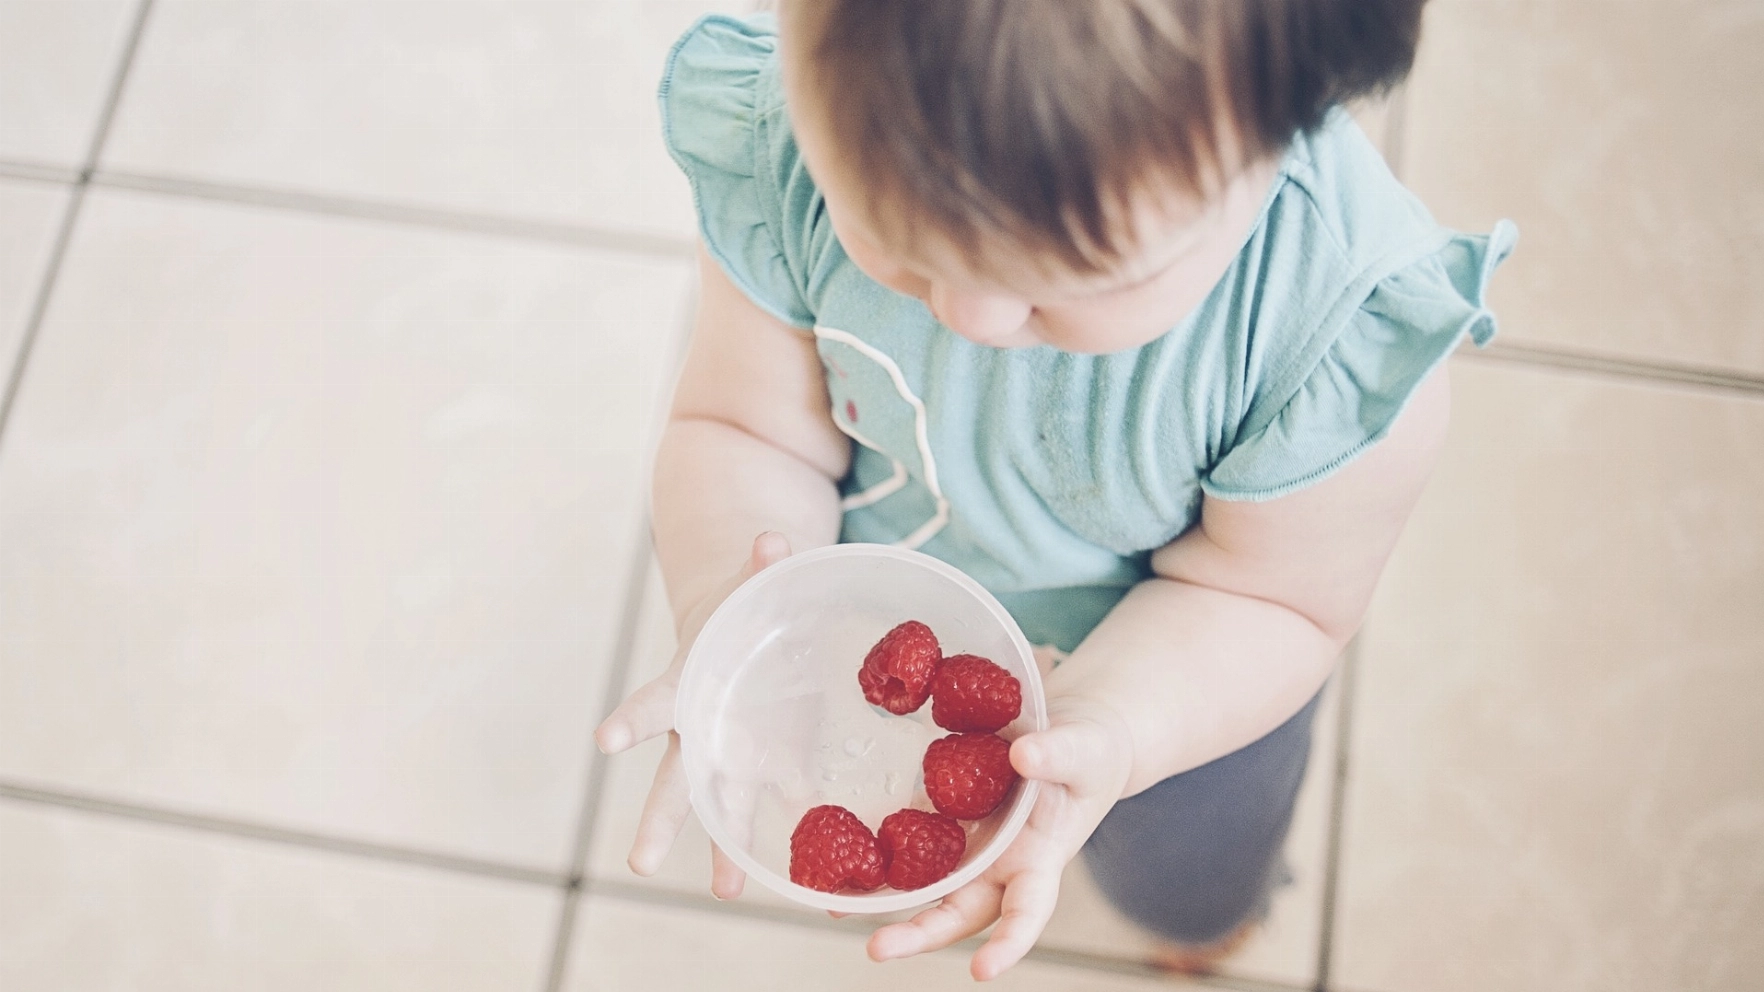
column 1069, row 172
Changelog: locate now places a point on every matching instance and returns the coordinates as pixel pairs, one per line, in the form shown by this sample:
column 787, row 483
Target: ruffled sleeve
column 1411, row 321
column 713, row 94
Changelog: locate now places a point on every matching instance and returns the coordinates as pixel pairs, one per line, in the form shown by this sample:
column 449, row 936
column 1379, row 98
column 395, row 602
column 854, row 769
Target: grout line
column 1344, row 713
column 618, row 679
column 853, row 926
column 39, row 172
column 1657, row 373
column 463, row 864
column 70, row 215
column 113, row 98
column 630, row 618
column 1395, row 146
column 663, row 246
column 666, row 898
column 637, row 576
column 576, row 236
column 560, row 944
column 39, row 306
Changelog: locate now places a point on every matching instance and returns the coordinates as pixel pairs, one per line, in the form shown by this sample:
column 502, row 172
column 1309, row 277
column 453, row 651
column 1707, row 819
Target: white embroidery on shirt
column 921, row 432
column 881, row 490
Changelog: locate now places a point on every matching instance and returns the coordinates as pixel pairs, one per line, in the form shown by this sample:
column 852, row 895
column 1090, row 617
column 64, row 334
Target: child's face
column 1184, row 245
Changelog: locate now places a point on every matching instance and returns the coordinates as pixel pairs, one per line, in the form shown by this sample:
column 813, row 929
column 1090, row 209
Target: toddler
column 1109, row 304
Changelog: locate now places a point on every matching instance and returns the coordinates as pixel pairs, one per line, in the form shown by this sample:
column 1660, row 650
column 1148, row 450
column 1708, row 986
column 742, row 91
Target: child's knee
column 1194, row 909
column 1197, row 855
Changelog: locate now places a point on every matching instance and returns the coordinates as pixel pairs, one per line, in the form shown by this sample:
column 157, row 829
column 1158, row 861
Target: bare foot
column 1200, row 959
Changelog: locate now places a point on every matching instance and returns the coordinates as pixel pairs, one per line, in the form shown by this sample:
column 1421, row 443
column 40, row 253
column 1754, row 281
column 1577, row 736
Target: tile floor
column 336, row 335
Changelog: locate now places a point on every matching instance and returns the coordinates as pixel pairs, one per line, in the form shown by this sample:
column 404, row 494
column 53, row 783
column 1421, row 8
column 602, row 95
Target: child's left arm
column 1238, row 628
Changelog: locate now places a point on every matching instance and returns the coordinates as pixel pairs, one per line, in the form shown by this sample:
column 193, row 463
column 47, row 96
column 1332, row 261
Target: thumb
column 1075, row 754
column 769, row 548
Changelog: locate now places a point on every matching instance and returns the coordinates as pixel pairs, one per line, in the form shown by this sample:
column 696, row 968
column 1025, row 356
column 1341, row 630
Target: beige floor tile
column 30, row 214
column 91, row 903
column 325, row 523
column 56, row 62
column 1620, row 136
column 541, row 110
column 626, row 947
column 1558, row 763
column 1084, row 922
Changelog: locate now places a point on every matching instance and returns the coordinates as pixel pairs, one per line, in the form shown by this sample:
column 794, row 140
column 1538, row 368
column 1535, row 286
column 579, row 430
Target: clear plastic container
column 772, row 721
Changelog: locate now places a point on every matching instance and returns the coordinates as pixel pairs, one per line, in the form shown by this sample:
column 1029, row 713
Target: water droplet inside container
column 891, row 783
column 856, row 748
column 829, row 775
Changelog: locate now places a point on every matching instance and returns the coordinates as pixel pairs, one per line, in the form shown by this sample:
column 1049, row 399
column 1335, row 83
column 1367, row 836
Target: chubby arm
column 747, row 470
column 749, row 445
column 1238, row 628
column 1248, row 611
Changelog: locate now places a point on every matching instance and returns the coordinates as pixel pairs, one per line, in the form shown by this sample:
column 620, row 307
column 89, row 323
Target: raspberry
column 897, row 672
column 967, row 775
column 832, row 849
column 920, row 847
column 972, row 695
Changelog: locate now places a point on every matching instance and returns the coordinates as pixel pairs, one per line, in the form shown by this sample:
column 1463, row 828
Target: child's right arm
column 749, row 449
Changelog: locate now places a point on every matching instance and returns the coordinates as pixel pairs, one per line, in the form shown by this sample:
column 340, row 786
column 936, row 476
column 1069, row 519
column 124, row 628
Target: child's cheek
column 877, row 266
column 901, row 281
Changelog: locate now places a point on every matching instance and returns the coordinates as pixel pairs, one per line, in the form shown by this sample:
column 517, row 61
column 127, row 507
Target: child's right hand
column 650, row 711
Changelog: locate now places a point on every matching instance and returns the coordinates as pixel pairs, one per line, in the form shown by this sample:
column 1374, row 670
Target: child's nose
column 983, row 318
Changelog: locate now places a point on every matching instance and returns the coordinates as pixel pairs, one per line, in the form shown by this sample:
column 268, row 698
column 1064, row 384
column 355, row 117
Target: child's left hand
column 1082, row 761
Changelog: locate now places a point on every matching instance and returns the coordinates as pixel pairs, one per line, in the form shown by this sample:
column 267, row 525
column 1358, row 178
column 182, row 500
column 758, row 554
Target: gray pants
column 1197, row 854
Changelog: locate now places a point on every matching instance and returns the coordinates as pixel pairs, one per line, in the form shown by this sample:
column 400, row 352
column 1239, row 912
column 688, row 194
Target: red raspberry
column 967, row 775
column 897, row 672
column 831, row 849
column 972, row 695
column 920, row 847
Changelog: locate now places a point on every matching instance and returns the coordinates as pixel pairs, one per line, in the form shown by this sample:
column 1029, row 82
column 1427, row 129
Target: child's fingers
column 727, row 878
column 650, row 710
column 1060, row 753
column 664, row 813
column 644, row 714
column 962, row 914
column 1027, row 906
column 736, row 809
column 1070, row 754
column 768, row 549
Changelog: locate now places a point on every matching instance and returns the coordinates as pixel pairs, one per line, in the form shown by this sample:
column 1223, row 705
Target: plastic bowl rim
column 890, row 901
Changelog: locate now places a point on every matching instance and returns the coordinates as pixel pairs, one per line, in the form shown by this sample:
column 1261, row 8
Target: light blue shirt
column 1049, row 476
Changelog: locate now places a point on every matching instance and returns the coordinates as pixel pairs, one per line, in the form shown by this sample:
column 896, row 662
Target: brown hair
column 1039, row 119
